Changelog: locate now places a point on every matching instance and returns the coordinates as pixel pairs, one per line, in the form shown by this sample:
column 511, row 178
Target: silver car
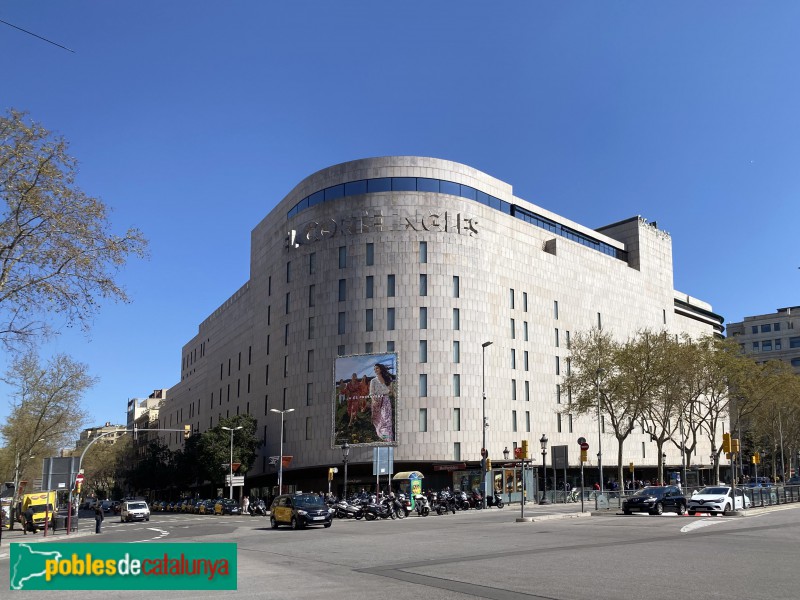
column 134, row 510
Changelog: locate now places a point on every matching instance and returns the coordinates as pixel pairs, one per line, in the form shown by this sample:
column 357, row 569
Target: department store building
column 426, row 260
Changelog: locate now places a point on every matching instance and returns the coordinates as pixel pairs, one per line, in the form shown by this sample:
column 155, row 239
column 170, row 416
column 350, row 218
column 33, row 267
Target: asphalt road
column 488, row 554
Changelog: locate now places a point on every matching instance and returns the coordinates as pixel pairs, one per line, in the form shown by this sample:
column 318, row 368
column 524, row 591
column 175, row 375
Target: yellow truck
column 43, row 505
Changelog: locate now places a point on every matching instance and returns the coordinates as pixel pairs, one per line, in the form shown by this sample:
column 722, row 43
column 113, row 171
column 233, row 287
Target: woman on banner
column 380, row 392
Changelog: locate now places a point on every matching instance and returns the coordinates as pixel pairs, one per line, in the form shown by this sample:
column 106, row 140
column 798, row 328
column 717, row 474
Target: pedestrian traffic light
column 735, row 445
column 726, row 443
column 488, row 464
column 524, row 448
column 187, row 431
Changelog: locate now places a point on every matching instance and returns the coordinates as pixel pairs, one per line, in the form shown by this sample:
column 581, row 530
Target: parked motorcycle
column 462, row 501
column 258, row 509
column 445, row 502
column 380, row 510
column 422, row 505
column 495, row 500
column 345, row 510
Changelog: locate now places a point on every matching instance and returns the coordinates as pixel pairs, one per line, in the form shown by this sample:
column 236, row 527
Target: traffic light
column 756, row 458
column 488, row 464
column 187, row 431
column 524, row 448
column 735, row 445
column 584, row 455
column 330, row 474
column 726, row 443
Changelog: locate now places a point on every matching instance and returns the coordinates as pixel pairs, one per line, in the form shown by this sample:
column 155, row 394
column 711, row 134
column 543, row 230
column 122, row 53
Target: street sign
column 79, row 479
column 584, row 446
column 581, row 441
column 238, row 480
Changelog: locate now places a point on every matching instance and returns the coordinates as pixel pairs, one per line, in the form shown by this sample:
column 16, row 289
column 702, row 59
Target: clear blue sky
column 192, row 119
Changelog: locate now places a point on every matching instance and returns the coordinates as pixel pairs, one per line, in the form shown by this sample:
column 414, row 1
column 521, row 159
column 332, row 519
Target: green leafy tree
column 46, row 412
column 58, row 256
column 216, row 446
column 104, row 466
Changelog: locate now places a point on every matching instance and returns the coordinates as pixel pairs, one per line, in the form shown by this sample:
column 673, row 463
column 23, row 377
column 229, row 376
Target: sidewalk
column 86, row 527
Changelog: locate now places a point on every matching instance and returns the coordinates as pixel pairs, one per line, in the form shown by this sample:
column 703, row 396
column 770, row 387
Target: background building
column 770, row 337
column 428, row 259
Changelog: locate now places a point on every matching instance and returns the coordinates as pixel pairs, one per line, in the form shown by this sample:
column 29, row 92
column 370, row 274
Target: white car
column 134, row 510
column 717, row 499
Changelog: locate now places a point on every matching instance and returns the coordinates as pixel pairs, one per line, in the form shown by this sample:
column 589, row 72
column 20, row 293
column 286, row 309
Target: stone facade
column 775, row 336
column 273, row 343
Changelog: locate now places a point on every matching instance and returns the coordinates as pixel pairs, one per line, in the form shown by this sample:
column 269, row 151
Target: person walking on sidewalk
column 98, row 518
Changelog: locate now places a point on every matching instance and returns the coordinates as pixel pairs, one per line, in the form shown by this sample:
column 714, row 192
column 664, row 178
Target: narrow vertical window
column 423, row 351
column 525, row 330
column 456, row 319
column 390, row 319
column 456, row 287
column 308, row 428
column 569, row 418
column 644, row 453
column 340, row 350
column 312, row 263
column 289, row 272
column 342, row 257
column 511, row 298
column 457, row 451
column 423, row 317
column 370, row 254
column 309, row 394
column 556, row 339
column 369, row 319
column 390, row 285
column 527, row 391
column 370, row 286
column 311, row 328
column 310, row 361
column 286, row 334
column 342, row 323
column 558, row 423
column 513, row 420
column 342, row 290
column 269, row 286
column 525, row 304
column 555, row 310
column 285, row 366
column 423, row 284
column 513, row 389
column 456, row 385
column 558, row 393
column 513, row 329
column 423, row 419
column 456, row 351
column 423, row 252
column 423, row 385
column 456, row 419
column 390, row 346
column 368, row 348
column 527, row 421
column 287, row 302
column 311, row 295
column 569, row 345
column 525, row 359
column 664, row 315
column 513, row 358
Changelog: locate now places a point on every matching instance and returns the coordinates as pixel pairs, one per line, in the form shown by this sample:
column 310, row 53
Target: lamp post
column 505, row 483
column 663, row 468
column 230, row 464
column 543, row 444
column 600, row 373
column 485, row 424
column 345, row 455
column 280, row 467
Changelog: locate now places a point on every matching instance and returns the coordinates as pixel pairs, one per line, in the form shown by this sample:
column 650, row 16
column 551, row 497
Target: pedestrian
column 98, row 518
column 246, row 505
column 27, row 521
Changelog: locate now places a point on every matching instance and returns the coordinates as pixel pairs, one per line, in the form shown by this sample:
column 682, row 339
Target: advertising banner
column 365, row 399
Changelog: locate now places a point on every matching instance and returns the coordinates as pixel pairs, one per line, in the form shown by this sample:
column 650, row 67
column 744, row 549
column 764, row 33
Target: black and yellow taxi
column 299, row 511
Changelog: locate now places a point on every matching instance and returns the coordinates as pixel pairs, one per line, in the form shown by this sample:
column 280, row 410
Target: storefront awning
column 408, row 475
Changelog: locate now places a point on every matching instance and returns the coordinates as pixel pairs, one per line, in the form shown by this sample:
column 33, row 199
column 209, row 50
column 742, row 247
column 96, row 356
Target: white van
column 134, row 510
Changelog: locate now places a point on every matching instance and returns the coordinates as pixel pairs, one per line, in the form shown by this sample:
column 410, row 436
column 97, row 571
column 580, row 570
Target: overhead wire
column 37, row 36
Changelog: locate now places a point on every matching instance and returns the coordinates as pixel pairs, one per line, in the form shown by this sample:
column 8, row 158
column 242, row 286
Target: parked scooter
column 345, row 510
column 495, row 500
column 422, row 505
column 380, row 510
column 258, row 509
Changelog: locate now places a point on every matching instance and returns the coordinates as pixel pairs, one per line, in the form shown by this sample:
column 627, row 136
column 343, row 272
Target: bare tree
column 57, row 253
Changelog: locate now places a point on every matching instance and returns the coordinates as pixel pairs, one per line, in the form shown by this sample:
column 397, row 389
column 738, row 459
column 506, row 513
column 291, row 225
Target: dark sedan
column 299, row 511
column 656, row 500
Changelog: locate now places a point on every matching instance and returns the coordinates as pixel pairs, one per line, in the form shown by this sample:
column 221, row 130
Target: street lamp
column 663, row 467
column 506, row 453
column 230, row 464
column 345, row 455
column 543, row 443
column 15, row 497
column 280, row 468
column 600, row 373
column 485, row 423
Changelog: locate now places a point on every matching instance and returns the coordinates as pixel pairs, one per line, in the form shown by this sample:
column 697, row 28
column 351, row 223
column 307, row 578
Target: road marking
column 701, row 523
column 161, row 533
